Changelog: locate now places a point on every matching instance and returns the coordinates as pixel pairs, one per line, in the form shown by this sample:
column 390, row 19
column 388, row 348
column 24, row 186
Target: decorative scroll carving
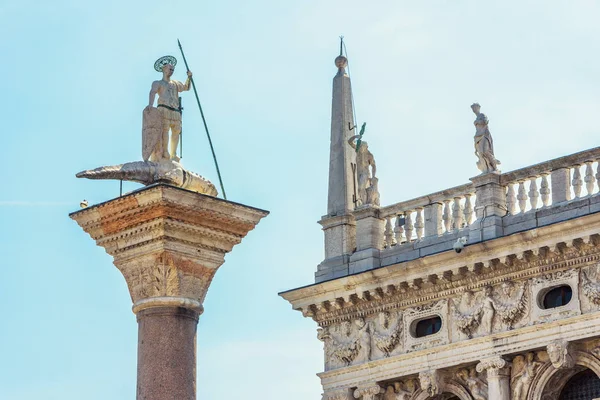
column 346, row 343
column 524, row 370
column 430, row 382
column 558, row 352
column 513, row 306
column 492, row 365
column 386, row 335
column 476, row 386
column 368, row 392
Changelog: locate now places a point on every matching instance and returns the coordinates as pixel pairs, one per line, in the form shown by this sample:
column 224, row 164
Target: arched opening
column 583, row 385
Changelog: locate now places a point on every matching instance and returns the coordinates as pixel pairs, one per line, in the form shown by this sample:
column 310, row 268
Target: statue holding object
column 160, row 164
column 367, row 184
column 484, row 145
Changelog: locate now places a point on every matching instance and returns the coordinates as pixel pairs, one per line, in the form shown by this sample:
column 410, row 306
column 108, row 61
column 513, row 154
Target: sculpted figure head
column 558, row 352
column 507, row 288
column 487, row 291
column 168, row 70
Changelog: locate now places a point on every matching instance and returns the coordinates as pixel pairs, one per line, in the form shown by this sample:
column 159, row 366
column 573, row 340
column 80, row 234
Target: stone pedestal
column 168, row 243
column 490, row 207
column 369, row 239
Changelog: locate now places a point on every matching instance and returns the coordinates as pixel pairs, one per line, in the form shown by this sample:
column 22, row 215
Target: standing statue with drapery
column 484, row 144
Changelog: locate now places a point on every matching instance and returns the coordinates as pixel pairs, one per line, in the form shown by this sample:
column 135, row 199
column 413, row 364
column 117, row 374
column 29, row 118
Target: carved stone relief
column 523, row 372
column 346, row 344
column 431, row 382
column 541, row 285
column 415, row 314
column 386, row 332
column 368, row 392
column 476, row 385
column 590, row 288
column 512, row 304
column 558, row 353
column 401, row 390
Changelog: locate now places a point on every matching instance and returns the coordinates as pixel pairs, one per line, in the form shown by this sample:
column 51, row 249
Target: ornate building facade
column 488, row 290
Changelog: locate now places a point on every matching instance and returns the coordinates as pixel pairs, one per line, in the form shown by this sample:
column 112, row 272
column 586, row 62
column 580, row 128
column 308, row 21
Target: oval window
column 557, row 297
column 428, row 326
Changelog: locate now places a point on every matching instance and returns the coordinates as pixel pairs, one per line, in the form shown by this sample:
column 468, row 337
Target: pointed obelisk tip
column 340, row 61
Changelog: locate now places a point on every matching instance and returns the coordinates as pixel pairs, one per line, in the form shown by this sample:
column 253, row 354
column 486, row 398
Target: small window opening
column 557, row 297
column 429, row 326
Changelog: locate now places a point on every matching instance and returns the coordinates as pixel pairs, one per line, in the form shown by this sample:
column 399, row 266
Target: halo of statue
column 164, row 60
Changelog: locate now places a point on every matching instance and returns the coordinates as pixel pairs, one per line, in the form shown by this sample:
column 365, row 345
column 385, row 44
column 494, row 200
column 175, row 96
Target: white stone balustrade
column 549, row 186
column 432, row 215
column 528, row 189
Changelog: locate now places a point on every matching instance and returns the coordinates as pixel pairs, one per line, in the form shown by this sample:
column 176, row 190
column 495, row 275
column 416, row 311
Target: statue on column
column 484, row 145
column 160, row 164
column 367, row 184
column 166, row 116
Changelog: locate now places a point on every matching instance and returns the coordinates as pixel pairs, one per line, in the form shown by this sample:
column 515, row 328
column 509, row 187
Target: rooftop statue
column 484, row 145
column 161, row 163
column 367, row 185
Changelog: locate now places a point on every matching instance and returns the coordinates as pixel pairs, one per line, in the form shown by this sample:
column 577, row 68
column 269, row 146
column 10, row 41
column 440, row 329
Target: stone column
column 498, row 377
column 490, row 207
column 168, row 243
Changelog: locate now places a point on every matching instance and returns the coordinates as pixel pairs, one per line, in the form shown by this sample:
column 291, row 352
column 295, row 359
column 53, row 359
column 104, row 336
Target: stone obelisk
column 168, row 240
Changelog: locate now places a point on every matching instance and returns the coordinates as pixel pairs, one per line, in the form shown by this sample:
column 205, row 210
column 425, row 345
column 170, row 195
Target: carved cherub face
column 488, row 291
column 506, row 288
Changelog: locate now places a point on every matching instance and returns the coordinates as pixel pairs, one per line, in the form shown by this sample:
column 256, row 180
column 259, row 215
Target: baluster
column 446, row 216
column 511, row 200
column 419, row 225
column 398, row 229
column 457, row 213
column 522, row 197
column 468, row 209
column 389, row 233
column 589, row 178
column 577, row 182
column 533, row 193
column 598, row 175
column 408, row 226
column 545, row 190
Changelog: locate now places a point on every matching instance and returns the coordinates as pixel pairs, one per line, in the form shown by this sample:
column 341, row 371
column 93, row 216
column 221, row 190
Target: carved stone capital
column 368, row 392
column 168, row 242
column 495, row 366
column 559, row 354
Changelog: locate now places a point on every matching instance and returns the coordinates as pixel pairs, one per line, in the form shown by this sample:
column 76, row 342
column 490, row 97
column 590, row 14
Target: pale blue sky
column 76, row 76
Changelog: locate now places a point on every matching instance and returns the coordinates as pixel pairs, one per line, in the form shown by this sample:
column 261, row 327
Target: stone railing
column 527, row 189
column 551, row 182
column 432, row 215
